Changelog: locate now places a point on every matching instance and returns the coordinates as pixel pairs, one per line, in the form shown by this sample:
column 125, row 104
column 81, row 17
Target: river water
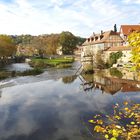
column 56, row 105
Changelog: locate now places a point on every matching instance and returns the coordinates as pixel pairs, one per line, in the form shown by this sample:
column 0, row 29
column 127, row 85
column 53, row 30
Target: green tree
column 68, row 42
column 7, row 47
column 134, row 42
column 100, row 64
column 114, row 57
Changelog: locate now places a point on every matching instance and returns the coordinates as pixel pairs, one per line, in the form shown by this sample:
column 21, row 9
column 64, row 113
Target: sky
column 81, row 17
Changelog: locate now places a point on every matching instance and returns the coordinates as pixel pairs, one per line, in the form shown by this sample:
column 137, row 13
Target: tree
column 7, row 47
column 52, row 44
column 39, row 44
column 100, row 64
column 114, row 57
column 134, row 42
column 68, row 42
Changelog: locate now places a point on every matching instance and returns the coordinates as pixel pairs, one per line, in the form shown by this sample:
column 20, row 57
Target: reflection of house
column 125, row 30
column 111, row 85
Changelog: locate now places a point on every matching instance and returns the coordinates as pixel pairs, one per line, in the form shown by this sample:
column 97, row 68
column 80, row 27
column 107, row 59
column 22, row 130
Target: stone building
column 101, row 41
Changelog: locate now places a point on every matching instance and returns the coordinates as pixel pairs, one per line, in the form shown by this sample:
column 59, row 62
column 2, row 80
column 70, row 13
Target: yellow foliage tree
column 134, row 42
column 7, row 47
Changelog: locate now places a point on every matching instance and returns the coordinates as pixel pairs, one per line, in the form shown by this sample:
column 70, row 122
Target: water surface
column 56, row 105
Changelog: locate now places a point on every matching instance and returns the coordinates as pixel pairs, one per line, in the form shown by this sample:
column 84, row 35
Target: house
column 59, row 50
column 126, row 53
column 101, row 41
column 125, row 30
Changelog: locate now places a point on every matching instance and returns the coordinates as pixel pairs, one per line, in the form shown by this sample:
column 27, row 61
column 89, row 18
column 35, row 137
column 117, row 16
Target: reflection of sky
column 51, row 110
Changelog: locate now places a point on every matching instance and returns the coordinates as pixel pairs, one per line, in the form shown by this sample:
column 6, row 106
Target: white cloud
column 81, row 17
column 131, row 1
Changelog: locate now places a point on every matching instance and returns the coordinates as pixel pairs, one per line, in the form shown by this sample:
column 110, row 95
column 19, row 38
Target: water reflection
column 18, row 67
column 52, row 110
column 108, row 84
column 69, row 79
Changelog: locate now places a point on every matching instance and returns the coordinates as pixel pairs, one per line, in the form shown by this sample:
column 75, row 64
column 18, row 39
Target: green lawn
column 54, row 62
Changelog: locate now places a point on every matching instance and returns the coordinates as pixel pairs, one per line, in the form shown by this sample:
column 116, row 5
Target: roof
column 119, row 48
column 103, row 37
column 127, row 29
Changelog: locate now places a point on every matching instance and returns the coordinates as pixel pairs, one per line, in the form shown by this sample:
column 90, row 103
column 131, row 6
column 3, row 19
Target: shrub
column 116, row 72
column 114, row 57
column 31, row 72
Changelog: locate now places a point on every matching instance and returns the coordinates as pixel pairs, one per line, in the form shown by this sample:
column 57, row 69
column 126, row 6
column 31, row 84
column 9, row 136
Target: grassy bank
column 54, row 62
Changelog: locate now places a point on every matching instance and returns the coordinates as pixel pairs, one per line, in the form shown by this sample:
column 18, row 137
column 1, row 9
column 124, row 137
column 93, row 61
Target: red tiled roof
column 119, row 48
column 127, row 29
column 105, row 36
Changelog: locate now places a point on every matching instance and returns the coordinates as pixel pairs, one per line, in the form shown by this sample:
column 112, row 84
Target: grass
column 43, row 63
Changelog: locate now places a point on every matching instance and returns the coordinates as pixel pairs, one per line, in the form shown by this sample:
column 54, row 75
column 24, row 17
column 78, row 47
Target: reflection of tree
column 116, row 72
column 0, row 93
column 69, row 79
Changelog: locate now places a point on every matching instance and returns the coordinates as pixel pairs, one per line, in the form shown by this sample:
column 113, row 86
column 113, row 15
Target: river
column 57, row 104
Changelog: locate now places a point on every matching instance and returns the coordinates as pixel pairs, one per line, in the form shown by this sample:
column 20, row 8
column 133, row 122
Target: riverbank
column 63, row 62
column 9, row 74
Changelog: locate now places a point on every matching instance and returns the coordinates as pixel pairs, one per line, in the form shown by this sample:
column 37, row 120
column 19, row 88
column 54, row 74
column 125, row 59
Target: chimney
column 115, row 28
column 101, row 32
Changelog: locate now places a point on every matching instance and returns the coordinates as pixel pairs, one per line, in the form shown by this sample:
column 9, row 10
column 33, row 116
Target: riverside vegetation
column 9, row 74
column 62, row 62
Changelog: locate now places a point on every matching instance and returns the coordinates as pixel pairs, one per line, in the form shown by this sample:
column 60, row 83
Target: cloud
column 131, row 1
column 81, row 17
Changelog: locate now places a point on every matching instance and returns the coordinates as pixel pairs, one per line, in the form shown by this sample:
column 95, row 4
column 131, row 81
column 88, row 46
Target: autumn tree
column 134, row 42
column 52, row 44
column 7, row 47
column 22, row 39
column 68, row 42
column 40, row 44
column 100, row 64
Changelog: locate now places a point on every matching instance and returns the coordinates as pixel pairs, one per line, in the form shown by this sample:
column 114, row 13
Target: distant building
column 59, row 50
column 125, row 30
column 101, row 41
column 108, row 42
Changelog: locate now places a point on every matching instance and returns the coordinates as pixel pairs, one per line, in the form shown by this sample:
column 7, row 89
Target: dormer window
column 101, row 36
column 92, row 39
column 96, row 38
column 88, row 39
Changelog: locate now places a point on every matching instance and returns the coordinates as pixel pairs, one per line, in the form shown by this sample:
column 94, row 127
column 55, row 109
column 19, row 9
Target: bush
column 4, row 75
column 116, row 72
column 31, row 72
column 114, row 57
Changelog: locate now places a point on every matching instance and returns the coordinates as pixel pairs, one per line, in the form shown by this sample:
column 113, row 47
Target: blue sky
column 81, row 17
